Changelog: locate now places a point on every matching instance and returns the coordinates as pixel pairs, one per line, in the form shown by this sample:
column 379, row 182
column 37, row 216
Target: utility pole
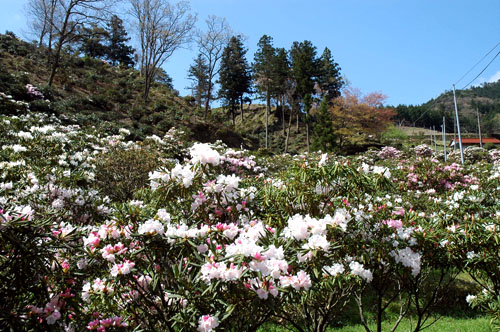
column 458, row 127
column 479, row 128
column 455, row 134
column 443, row 127
column 435, row 141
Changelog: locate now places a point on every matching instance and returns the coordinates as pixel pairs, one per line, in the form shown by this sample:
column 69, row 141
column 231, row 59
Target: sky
column 410, row 50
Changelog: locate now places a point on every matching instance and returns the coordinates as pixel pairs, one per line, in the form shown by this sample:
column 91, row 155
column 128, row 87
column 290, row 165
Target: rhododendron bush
column 217, row 239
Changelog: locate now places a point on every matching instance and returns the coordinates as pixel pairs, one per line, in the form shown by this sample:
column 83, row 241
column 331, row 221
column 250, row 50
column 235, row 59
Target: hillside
column 484, row 99
column 91, row 92
column 94, row 93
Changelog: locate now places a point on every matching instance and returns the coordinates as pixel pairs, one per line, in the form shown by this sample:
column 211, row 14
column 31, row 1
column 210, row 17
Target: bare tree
column 211, row 44
column 66, row 17
column 162, row 28
column 40, row 15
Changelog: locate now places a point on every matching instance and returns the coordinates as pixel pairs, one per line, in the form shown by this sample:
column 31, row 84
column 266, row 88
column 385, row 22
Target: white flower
column 358, row 269
column 163, row 215
column 124, row 132
column 334, row 269
column 262, row 293
column 471, row 255
column 151, row 227
column 203, row 153
column 408, row 258
column 297, row 228
column 323, row 160
column 470, row 298
column 317, row 242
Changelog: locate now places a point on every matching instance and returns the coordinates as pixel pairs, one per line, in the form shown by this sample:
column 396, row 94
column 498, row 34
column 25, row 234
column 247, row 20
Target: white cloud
column 495, row 77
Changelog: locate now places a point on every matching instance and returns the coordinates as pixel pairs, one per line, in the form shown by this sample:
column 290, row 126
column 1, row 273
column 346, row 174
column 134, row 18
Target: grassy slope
column 93, row 91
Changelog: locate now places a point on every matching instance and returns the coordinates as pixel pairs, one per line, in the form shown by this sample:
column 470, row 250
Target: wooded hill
column 93, row 92
column 484, row 99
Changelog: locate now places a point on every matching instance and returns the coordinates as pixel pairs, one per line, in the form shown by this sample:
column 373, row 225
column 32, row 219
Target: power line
column 482, row 71
column 429, row 106
column 461, row 78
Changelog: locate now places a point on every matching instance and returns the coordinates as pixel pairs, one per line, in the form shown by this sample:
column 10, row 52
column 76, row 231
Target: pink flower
column 123, row 268
column 207, row 323
column 393, row 223
column 93, row 325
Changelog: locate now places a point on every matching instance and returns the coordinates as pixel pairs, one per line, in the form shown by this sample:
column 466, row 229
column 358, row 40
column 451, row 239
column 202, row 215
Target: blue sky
column 410, row 50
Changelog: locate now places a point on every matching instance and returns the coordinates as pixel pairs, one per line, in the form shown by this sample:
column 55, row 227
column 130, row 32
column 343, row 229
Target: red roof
column 476, row 140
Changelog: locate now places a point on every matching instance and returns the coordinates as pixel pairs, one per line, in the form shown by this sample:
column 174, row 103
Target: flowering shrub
column 423, row 151
column 494, row 156
column 101, row 233
column 388, row 152
column 33, row 92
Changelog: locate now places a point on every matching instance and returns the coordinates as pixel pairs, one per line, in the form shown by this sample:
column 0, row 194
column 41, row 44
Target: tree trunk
column 268, row 106
column 55, row 64
column 380, row 311
column 207, row 100
column 241, row 108
column 307, row 134
column 233, row 113
column 62, row 37
column 147, row 86
column 297, row 125
column 283, row 115
column 288, row 131
column 51, row 25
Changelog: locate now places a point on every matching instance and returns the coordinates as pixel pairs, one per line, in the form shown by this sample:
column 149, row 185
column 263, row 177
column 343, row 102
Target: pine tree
column 234, row 75
column 304, row 67
column 323, row 137
column 329, row 78
column 118, row 52
column 263, row 74
column 304, row 72
column 198, row 74
column 91, row 40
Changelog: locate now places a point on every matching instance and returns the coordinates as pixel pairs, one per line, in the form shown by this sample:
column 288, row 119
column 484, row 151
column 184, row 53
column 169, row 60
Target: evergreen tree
column 263, row 74
column 304, row 72
column 91, row 40
column 323, row 137
column 304, row 67
column 329, row 78
column 118, row 52
column 162, row 77
column 198, row 74
column 234, row 75
column 281, row 74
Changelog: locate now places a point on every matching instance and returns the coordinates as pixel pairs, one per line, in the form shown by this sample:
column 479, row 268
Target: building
column 474, row 142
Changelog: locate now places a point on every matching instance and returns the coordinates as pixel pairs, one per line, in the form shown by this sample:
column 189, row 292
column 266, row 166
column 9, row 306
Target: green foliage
column 394, row 135
column 304, row 67
column 234, row 74
column 118, row 52
column 92, row 41
column 329, row 78
column 262, row 66
column 323, row 138
column 198, row 74
column 121, row 172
